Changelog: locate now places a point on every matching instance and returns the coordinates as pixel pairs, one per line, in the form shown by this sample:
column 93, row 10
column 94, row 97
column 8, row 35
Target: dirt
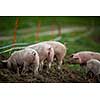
column 53, row 76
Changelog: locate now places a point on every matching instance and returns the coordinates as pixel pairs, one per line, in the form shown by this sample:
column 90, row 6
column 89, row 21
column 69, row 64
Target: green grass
column 8, row 23
column 85, row 43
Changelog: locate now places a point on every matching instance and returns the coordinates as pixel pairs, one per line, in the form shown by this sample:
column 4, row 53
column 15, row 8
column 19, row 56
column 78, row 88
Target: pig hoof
column 59, row 68
column 47, row 72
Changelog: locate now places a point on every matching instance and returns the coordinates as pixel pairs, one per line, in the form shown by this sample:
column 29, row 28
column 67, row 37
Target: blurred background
column 79, row 33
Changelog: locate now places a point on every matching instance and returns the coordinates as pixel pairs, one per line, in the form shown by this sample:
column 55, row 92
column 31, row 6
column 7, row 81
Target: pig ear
column 77, row 57
column 80, row 60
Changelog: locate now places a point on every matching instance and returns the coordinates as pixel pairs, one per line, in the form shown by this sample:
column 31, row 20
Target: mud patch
column 64, row 76
column 53, row 76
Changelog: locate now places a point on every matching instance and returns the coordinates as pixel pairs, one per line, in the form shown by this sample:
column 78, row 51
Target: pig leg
column 41, row 66
column 49, row 65
column 98, row 78
column 59, row 60
column 50, row 60
column 59, row 65
column 36, row 69
column 18, row 71
column 24, row 68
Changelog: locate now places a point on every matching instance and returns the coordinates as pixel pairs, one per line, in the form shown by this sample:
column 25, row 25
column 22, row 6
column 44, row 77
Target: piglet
column 93, row 65
column 45, row 51
column 83, row 56
column 23, row 58
column 59, row 51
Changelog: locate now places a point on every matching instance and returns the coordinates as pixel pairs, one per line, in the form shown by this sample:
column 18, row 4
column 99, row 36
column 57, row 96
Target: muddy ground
column 53, row 76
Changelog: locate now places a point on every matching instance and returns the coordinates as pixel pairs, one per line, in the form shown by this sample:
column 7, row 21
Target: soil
column 65, row 75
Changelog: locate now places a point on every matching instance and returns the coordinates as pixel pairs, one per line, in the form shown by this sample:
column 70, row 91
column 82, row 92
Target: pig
column 59, row 51
column 93, row 65
column 23, row 58
column 45, row 51
column 83, row 56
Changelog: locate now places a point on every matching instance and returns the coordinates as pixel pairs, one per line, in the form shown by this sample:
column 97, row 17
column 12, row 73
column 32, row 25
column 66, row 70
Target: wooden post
column 14, row 37
column 59, row 30
column 38, row 30
column 52, row 30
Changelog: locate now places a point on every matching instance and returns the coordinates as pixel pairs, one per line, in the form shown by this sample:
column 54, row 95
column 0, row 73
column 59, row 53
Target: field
column 85, row 38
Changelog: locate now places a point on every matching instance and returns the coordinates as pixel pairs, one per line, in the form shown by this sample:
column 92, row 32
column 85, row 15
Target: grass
column 8, row 23
column 85, row 43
